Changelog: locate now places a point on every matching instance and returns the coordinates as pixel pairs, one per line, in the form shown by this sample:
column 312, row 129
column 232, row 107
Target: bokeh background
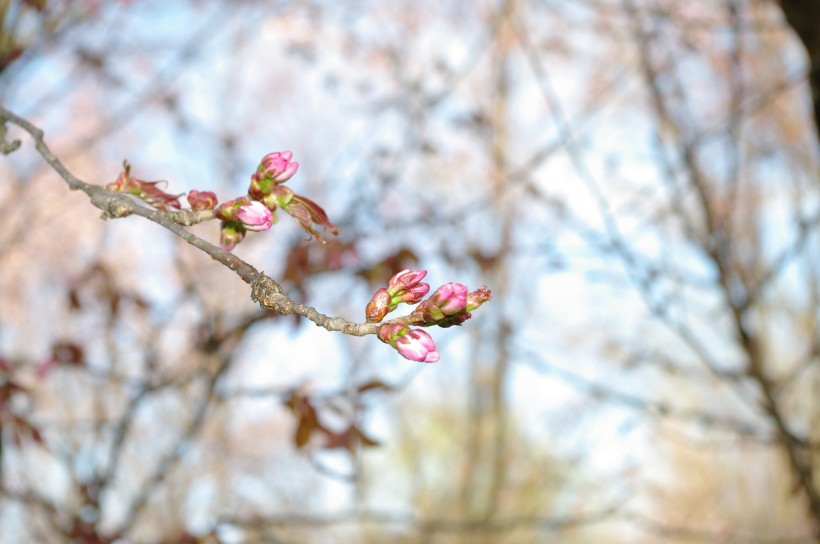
column 635, row 180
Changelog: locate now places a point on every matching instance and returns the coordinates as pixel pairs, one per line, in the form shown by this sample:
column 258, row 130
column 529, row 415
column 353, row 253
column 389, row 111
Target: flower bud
column 254, row 216
column 274, row 168
column 412, row 344
column 405, row 279
column 410, row 296
column 231, row 234
column 407, row 287
column 378, row 307
column 417, row 345
column 448, row 300
column 227, row 210
column 390, row 332
column 477, row 298
column 201, row 200
column 277, row 166
column 280, row 196
column 453, row 320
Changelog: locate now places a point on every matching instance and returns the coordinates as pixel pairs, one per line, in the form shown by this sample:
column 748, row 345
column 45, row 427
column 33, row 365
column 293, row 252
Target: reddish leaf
column 308, row 418
column 304, row 430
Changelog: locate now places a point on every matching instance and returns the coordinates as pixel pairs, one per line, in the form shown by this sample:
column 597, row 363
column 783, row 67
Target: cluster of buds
column 266, row 187
column 406, row 286
column 449, row 305
column 254, row 212
column 239, row 216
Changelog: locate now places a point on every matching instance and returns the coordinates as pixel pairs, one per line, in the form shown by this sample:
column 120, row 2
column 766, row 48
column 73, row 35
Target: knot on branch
column 270, row 295
column 112, row 205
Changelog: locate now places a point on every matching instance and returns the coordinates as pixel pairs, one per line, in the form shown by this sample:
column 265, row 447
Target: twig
column 265, row 291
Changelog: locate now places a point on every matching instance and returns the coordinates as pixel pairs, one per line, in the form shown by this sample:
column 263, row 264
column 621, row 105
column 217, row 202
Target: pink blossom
column 405, row 279
column 277, row 166
column 449, row 300
column 417, row 345
column 255, row 216
column 412, row 295
column 413, row 344
column 406, row 286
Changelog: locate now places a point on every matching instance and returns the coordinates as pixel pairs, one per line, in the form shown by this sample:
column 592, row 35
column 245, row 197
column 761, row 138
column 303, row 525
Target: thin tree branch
column 265, row 291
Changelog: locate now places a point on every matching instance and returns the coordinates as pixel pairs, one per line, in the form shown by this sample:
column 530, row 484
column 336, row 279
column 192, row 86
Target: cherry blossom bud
column 412, row 344
column 231, row 234
column 274, row 168
column 201, row 200
column 410, row 296
column 277, row 166
column 477, row 298
column 448, row 300
column 453, row 320
column 254, row 216
column 227, row 210
column 378, row 307
column 280, row 196
column 390, row 332
column 405, row 279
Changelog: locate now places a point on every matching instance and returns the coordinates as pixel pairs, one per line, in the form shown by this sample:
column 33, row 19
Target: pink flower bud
column 413, row 344
column 448, row 300
column 227, row 210
column 405, row 279
column 378, row 307
column 406, row 286
column 254, row 216
column 277, row 166
column 201, row 200
column 231, row 234
column 417, row 345
column 390, row 332
column 412, row 295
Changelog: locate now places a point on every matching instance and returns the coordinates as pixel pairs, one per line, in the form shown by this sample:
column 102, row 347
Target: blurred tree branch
column 804, row 18
column 266, row 291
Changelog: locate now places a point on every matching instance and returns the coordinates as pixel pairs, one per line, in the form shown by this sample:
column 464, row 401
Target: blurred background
column 635, row 180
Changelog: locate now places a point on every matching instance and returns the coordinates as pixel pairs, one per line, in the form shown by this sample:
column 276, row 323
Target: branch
column 265, row 291
column 426, row 525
